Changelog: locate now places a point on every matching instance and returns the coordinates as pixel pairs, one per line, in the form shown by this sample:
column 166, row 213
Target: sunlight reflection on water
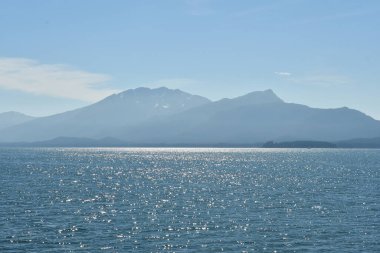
column 189, row 200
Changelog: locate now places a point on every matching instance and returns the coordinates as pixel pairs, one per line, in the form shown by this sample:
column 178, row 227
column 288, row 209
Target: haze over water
column 189, row 200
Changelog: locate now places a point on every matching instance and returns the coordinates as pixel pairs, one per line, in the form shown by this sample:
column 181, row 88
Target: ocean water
column 189, row 200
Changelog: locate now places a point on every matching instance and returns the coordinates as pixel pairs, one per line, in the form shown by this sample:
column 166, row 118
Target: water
column 189, row 200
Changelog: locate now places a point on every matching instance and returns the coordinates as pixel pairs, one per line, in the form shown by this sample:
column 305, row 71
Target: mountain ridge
column 135, row 105
column 72, row 142
column 12, row 118
column 163, row 115
column 256, row 123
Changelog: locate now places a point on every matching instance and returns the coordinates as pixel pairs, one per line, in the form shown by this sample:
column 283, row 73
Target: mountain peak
column 269, row 91
column 145, row 91
column 260, row 97
column 12, row 113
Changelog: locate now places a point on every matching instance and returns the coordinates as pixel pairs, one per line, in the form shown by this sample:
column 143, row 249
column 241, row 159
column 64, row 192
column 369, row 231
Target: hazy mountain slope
column 177, row 128
column 128, row 108
column 255, row 120
column 154, row 116
column 8, row 119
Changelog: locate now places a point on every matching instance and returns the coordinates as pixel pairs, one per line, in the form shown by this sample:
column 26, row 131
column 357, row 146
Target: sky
column 59, row 55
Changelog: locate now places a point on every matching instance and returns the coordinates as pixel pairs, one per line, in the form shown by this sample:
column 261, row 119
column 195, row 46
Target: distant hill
column 172, row 117
column 354, row 143
column 299, row 144
column 360, row 143
column 112, row 142
column 80, row 142
column 8, row 119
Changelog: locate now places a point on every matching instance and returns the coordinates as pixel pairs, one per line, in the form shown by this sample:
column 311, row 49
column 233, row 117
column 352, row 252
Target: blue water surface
column 189, row 200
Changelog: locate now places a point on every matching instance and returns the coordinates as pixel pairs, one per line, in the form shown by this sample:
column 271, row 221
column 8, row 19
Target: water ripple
column 189, row 200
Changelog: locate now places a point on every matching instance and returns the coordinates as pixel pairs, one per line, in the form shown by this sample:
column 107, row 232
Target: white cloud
column 54, row 80
column 283, row 73
column 321, row 79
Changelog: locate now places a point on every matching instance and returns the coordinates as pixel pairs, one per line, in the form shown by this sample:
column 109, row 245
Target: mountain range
column 9, row 119
column 164, row 116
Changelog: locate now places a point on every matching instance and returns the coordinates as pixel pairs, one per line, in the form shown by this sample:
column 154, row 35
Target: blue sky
column 59, row 55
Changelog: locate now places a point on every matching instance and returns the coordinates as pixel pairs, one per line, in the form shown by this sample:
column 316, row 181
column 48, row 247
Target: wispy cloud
column 54, row 80
column 319, row 79
column 283, row 73
column 326, row 80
